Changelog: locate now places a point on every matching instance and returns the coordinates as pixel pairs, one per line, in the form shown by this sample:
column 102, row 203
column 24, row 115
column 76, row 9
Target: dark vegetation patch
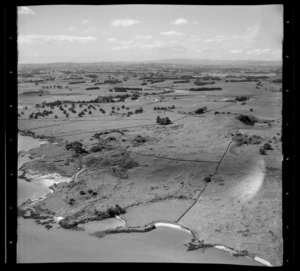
column 262, row 151
column 117, row 160
column 241, row 98
column 201, row 110
column 247, row 119
column 163, row 121
column 241, row 139
column 76, row 146
column 98, row 135
column 77, row 82
column 199, row 83
column 138, row 140
column 181, row 81
column 267, row 147
column 164, row 108
column 90, row 88
column 204, row 89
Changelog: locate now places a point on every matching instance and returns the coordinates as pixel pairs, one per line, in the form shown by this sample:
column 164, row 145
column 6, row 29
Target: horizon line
column 142, row 61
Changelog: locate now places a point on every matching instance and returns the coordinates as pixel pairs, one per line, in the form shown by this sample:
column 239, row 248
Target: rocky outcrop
column 68, row 222
column 71, row 222
column 147, row 228
column 76, row 146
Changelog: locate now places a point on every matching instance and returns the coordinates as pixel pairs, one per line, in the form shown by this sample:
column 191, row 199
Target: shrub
column 241, row 99
column 267, row 146
column 163, row 121
column 247, row 119
column 262, row 152
column 201, row 110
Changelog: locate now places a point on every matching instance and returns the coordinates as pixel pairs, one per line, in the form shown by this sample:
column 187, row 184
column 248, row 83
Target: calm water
column 36, row 244
column 39, row 186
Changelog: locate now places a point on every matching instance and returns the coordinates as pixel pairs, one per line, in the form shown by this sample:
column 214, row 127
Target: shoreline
column 140, row 188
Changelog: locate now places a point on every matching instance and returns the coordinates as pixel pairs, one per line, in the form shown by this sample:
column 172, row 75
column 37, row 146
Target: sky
column 95, row 33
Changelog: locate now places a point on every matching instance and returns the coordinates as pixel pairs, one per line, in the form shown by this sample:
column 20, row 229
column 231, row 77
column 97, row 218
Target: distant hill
column 183, row 61
column 173, row 61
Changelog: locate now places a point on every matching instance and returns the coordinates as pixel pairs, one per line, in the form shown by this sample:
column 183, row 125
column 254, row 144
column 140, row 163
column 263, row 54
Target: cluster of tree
column 135, row 96
column 51, row 104
column 241, row 98
column 232, row 76
column 34, row 81
column 182, row 81
column 186, row 77
column 242, row 80
column 144, row 83
column 257, row 77
column 72, row 108
column 97, row 135
column 54, row 86
column 205, row 78
column 204, row 89
column 164, row 108
column 277, row 81
column 112, row 81
column 91, row 107
column 76, row 82
column 199, row 83
column 90, row 88
column 201, row 110
column 163, row 121
column 139, row 110
column 91, row 75
column 76, row 146
column 120, row 89
column 157, row 81
column 40, row 114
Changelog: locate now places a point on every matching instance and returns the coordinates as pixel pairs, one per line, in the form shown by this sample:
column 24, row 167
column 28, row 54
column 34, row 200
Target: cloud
column 30, row 39
column 171, row 33
column 111, row 39
column 208, row 40
column 195, row 22
column 144, row 37
column 71, row 29
column 249, row 29
column 257, row 51
column 179, row 22
column 25, row 11
column 86, row 21
column 171, row 49
column 90, row 29
column 234, row 51
column 209, row 50
column 124, row 23
column 131, row 44
column 194, row 38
